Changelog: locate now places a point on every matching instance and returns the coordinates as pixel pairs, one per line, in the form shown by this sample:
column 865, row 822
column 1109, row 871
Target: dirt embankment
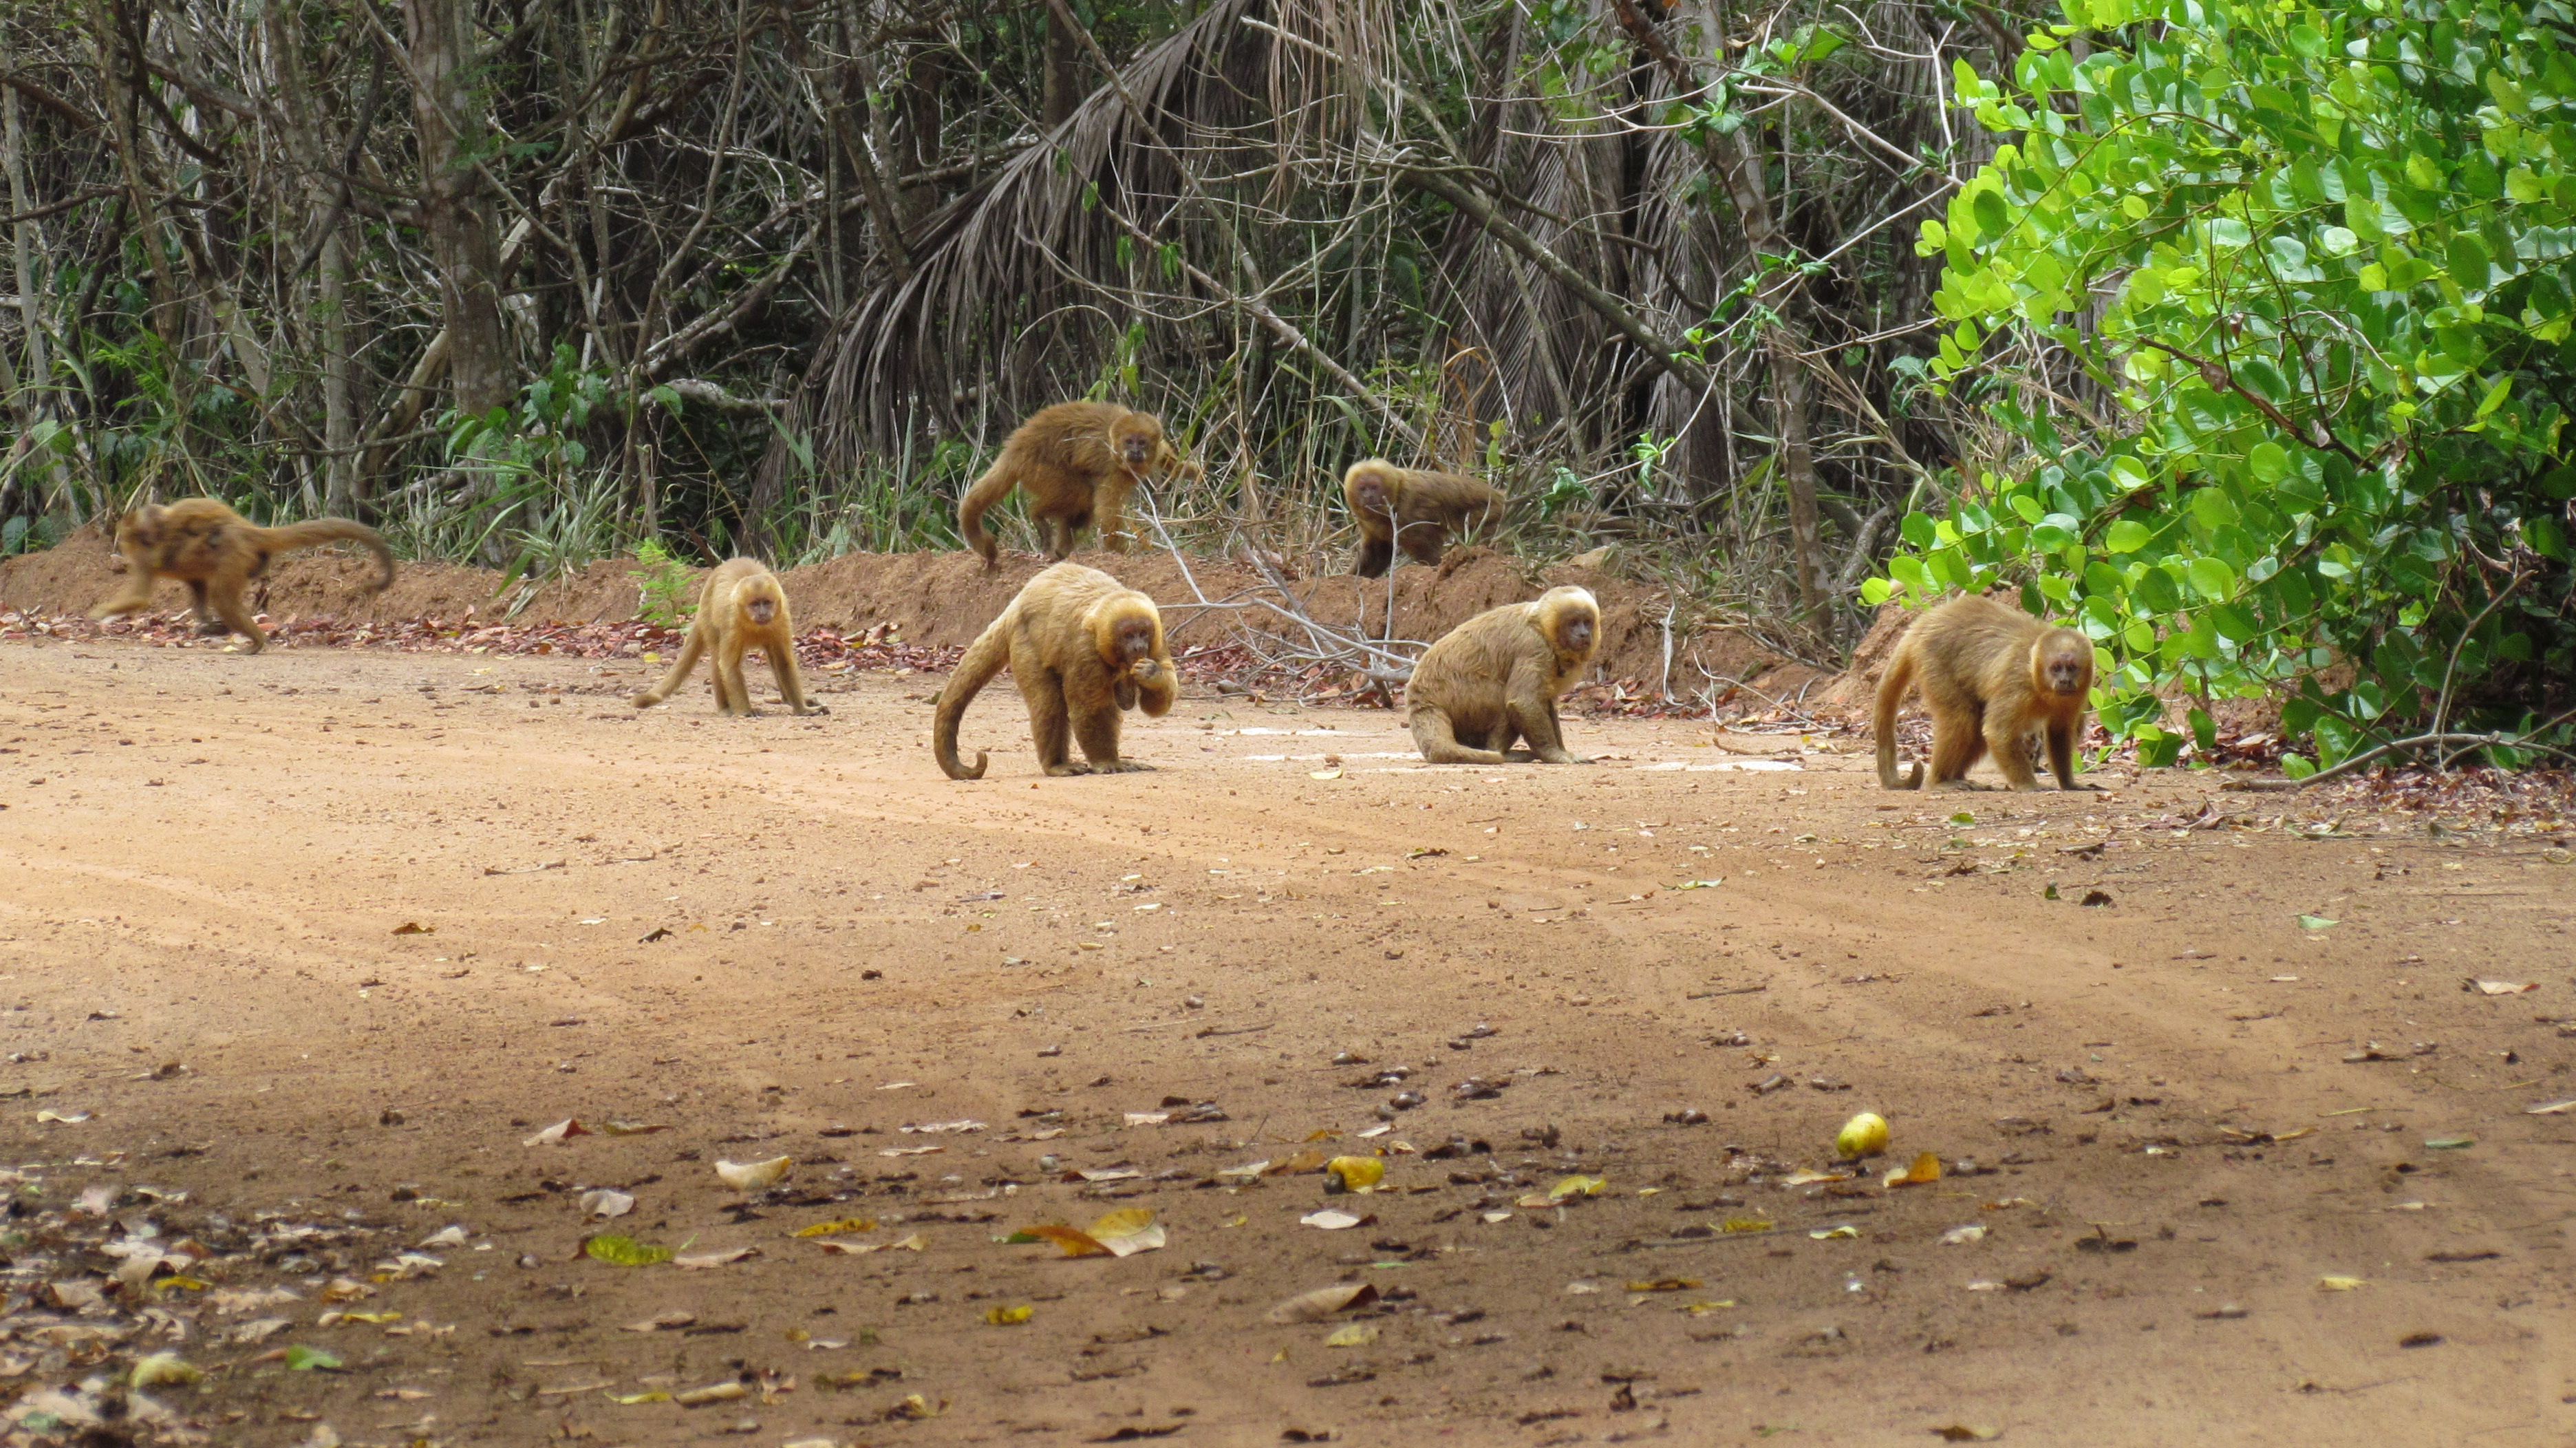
column 945, row 599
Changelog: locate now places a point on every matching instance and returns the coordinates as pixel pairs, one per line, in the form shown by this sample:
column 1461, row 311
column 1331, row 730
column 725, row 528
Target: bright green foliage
column 2328, row 252
column 669, row 587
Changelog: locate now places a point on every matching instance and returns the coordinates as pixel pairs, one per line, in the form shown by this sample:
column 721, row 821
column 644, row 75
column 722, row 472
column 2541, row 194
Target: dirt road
column 228, row 1051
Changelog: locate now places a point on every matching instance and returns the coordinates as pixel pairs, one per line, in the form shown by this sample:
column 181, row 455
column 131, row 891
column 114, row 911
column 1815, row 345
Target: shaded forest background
column 530, row 282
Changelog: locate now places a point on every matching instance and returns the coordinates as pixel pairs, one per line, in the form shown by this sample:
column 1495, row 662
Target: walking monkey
column 1992, row 676
column 741, row 607
column 1083, row 647
column 1077, row 461
column 1412, row 509
column 217, row 552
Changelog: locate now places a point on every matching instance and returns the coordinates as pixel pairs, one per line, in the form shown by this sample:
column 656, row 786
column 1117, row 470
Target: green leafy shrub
column 2322, row 260
column 669, row 586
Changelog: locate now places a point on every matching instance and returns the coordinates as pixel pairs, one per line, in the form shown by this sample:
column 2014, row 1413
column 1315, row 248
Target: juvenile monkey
column 1412, row 509
column 1083, row 647
column 217, row 552
column 1992, row 676
column 740, row 607
column 1495, row 678
column 1078, row 461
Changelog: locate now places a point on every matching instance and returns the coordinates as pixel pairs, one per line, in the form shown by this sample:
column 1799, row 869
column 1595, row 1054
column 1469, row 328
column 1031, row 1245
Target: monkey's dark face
column 761, row 609
column 1372, row 494
column 1134, row 640
column 1135, row 443
column 2065, row 668
column 1574, row 632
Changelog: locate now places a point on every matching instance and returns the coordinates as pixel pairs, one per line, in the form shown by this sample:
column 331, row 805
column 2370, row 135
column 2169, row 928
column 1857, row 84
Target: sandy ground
column 783, row 936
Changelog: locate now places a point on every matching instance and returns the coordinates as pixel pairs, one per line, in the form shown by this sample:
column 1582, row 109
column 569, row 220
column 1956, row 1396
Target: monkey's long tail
column 333, row 530
column 986, row 495
column 1438, row 741
column 1891, row 693
column 985, row 657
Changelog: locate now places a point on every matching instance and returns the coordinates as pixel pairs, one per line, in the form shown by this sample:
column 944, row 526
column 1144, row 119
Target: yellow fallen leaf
column 1576, row 1186
column 834, row 1229
column 1075, row 1241
column 1357, row 1334
column 163, row 1367
column 2340, row 1284
column 917, row 1407
column 1665, row 1284
column 1701, row 1309
column 1010, row 1316
column 913, row 1243
column 1303, row 1162
column 1128, row 1231
column 1844, row 1232
column 1333, row 773
column 1353, row 1173
column 1745, row 1224
column 631, row 1399
column 1925, row 1170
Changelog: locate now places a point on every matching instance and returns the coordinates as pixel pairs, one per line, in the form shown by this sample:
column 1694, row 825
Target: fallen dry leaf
column 1323, row 1302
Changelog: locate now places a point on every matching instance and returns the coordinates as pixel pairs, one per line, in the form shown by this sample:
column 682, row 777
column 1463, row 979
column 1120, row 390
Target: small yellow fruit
column 1863, row 1135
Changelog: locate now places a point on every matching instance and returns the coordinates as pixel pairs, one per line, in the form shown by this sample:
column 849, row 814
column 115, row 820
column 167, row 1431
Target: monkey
column 1083, row 647
column 1992, row 676
column 1078, row 461
column 741, row 606
column 217, row 552
column 1412, row 509
column 1496, row 678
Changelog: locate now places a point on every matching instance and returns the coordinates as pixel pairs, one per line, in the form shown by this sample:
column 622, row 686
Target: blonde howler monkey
column 217, row 552
column 1411, row 509
column 1077, row 461
column 1083, row 647
column 740, row 608
column 1992, row 676
column 1496, row 678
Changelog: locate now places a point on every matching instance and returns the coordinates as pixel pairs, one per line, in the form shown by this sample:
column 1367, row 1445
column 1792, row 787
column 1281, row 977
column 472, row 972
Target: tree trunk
column 1063, row 87
column 26, row 243
column 463, row 242
column 343, row 489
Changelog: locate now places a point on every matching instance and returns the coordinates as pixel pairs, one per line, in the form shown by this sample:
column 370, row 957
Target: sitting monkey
column 1496, row 678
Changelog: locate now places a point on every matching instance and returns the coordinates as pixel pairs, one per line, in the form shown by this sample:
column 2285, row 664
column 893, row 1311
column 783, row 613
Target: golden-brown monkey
column 1083, row 647
column 217, row 552
column 1412, row 509
column 741, row 606
column 1078, row 461
column 1992, row 676
column 1495, row 678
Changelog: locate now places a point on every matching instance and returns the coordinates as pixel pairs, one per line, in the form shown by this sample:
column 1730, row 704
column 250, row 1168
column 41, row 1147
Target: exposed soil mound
column 942, row 600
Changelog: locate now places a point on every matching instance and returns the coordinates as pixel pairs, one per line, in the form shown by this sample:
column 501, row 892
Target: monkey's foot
column 1122, row 766
column 213, row 629
column 1060, row 771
